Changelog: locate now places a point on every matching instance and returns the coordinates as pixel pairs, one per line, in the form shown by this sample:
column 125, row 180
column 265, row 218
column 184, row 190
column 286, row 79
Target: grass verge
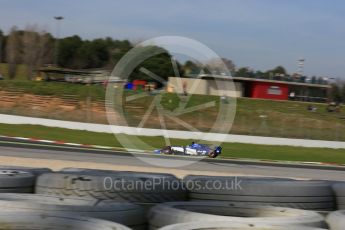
column 237, row 150
column 57, row 89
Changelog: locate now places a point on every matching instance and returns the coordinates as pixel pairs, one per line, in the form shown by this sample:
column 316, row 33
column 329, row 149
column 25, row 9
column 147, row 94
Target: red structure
column 269, row 90
column 276, row 89
column 139, row 84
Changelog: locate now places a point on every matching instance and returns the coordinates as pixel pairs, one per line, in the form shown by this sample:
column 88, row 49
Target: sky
column 261, row 34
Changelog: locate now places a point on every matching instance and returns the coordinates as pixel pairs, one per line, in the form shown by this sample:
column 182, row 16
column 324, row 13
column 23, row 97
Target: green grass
column 253, row 117
column 58, row 89
column 20, row 74
column 237, row 150
column 288, row 119
column 284, row 153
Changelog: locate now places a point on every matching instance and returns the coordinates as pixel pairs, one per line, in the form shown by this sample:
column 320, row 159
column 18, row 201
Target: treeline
column 75, row 53
column 35, row 48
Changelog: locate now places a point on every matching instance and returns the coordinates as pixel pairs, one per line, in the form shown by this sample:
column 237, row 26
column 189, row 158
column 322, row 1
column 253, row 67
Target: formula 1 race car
column 193, row 150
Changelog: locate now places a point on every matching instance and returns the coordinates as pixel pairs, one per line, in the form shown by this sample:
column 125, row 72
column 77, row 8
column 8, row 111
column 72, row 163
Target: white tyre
column 251, row 186
column 53, row 221
column 146, row 188
column 16, row 181
column 124, row 213
column 336, row 220
column 34, row 171
column 183, row 212
column 232, row 226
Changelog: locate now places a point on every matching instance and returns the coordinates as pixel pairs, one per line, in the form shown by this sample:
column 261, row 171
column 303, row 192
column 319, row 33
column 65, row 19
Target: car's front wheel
column 213, row 154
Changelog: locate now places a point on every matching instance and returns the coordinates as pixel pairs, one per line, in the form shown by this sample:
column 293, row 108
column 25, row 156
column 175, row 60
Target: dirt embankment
column 67, row 107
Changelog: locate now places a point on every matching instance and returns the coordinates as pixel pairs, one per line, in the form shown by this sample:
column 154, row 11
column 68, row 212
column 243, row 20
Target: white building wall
column 216, row 87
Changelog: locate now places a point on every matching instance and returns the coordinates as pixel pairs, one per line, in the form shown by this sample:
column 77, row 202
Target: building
column 205, row 86
column 84, row 76
column 250, row 87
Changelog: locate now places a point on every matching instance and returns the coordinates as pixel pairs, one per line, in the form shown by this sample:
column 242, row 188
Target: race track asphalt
column 26, row 149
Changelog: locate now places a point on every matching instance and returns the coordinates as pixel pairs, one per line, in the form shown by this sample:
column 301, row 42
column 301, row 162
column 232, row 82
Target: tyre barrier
column 140, row 188
column 308, row 195
column 124, row 213
column 53, row 221
column 339, row 190
column 15, row 181
column 336, row 220
column 184, row 212
column 221, row 225
column 34, row 171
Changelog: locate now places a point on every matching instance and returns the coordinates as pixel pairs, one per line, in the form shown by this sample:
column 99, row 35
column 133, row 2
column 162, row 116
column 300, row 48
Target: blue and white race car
column 193, row 149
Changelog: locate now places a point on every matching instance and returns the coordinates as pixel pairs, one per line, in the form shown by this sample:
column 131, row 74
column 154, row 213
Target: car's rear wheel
column 167, row 150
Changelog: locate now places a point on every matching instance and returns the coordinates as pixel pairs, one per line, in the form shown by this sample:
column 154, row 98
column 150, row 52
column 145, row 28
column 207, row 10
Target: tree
column 37, row 48
column 160, row 65
column 191, row 68
column 343, row 92
column 336, row 93
column 229, row 64
column 46, row 49
column 68, row 48
column 260, row 74
column 98, row 53
column 30, row 41
column 244, row 72
column 13, row 49
column 313, row 80
column 1, row 45
column 84, row 57
column 279, row 70
column 220, row 66
column 118, row 49
column 94, row 54
column 319, row 80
